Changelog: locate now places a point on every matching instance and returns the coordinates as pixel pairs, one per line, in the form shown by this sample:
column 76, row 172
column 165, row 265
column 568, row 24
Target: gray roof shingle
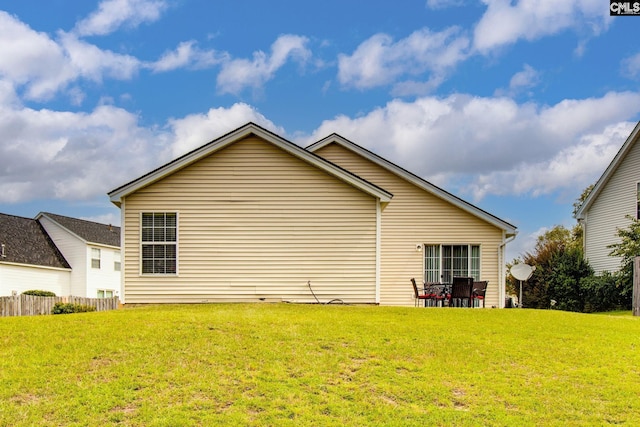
column 26, row 242
column 91, row 232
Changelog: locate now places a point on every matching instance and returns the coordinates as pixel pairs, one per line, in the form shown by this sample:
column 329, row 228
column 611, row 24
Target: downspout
column 503, row 270
column 378, row 249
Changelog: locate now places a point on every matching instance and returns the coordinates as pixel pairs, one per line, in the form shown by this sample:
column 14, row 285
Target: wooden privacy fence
column 31, row 305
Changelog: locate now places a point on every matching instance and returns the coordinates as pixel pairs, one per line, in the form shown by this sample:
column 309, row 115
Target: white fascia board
column 608, row 173
column 118, row 194
column 510, row 229
column 42, row 267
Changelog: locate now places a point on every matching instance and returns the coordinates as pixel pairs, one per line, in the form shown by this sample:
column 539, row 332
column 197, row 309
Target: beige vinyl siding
column 416, row 217
column 607, row 213
column 255, row 222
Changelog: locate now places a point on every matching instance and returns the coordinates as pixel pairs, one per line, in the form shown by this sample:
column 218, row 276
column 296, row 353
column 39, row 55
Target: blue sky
column 515, row 106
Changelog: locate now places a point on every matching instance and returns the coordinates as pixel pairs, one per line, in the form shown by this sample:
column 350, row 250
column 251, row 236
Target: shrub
column 68, row 308
column 39, row 293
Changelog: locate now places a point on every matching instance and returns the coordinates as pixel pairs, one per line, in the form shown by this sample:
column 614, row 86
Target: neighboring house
column 251, row 216
column 93, row 251
column 29, row 259
column 56, row 253
column 614, row 197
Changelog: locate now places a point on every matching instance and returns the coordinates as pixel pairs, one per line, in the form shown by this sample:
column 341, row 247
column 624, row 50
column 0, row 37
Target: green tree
column 562, row 274
column 567, row 271
column 578, row 232
column 535, row 292
column 560, row 267
column 580, row 200
column 627, row 249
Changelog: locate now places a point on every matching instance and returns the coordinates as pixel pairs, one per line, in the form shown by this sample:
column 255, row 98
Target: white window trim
column 440, row 245
column 140, row 242
column 113, row 293
column 99, row 258
column 117, row 261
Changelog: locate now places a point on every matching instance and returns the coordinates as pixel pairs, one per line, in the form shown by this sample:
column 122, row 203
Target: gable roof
column 510, row 229
column 26, row 242
column 119, row 193
column 88, row 231
column 608, row 173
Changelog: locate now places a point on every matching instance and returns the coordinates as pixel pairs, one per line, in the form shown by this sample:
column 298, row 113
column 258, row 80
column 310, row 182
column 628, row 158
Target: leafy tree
column 562, row 274
column 581, row 199
column 567, row 271
column 601, row 293
column 549, row 248
column 560, row 267
column 627, row 249
column 578, row 232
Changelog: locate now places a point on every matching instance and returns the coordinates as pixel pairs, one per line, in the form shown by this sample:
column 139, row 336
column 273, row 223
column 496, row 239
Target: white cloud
column 113, row 14
column 574, row 167
column 631, row 66
column 72, row 156
column 525, row 79
column 443, row 4
column 505, row 22
column 43, row 66
column 520, row 82
column 89, row 61
column 31, row 59
column 482, row 146
column 194, row 130
column 8, row 94
column 187, row 55
column 238, row 74
column 380, row 61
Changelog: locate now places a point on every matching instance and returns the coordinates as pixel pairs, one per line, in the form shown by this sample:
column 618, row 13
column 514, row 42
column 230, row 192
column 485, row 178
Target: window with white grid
column 159, row 236
column 444, row 262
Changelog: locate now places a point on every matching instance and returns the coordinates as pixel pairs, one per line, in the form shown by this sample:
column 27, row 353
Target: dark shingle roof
column 92, row 232
column 26, row 242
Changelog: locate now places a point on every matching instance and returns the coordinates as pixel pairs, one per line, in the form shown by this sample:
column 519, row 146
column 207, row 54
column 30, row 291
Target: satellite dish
column 522, row 271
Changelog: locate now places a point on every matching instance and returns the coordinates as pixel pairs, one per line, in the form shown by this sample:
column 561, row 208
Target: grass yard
column 280, row 364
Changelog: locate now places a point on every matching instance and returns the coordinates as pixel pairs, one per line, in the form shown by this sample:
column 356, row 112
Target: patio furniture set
column 463, row 292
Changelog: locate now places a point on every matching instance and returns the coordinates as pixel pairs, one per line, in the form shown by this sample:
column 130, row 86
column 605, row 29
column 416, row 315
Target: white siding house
column 92, row 250
column 614, row 198
column 17, row 278
column 29, row 260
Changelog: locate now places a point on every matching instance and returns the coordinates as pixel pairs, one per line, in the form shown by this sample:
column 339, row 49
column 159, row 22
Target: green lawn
column 281, row 364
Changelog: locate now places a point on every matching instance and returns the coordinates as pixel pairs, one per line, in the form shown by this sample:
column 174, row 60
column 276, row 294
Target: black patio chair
column 479, row 292
column 461, row 292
